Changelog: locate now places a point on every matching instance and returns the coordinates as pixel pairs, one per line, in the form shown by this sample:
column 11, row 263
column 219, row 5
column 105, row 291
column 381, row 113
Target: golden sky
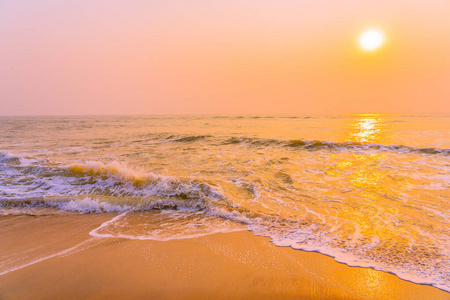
column 223, row 57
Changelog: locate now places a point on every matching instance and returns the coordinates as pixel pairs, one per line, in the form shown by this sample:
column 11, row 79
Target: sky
column 222, row 57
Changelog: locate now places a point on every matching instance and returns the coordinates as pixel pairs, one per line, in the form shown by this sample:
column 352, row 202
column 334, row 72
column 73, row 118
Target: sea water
column 370, row 190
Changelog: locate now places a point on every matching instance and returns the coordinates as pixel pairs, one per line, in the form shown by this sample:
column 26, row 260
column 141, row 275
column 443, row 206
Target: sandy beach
column 238, row 265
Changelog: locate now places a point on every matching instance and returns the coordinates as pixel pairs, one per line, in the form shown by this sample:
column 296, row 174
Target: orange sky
column 223, row 57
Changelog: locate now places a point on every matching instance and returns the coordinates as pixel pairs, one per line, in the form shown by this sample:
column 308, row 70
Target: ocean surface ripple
column 370, row 190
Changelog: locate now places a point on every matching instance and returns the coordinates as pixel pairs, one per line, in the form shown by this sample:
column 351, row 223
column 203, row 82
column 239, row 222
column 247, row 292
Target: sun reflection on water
column 368, row 128
column 366, row 174
column 373, row 186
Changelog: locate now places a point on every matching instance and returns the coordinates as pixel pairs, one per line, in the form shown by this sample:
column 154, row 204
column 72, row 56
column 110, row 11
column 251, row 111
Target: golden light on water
column 372, row 185
column 368, row 128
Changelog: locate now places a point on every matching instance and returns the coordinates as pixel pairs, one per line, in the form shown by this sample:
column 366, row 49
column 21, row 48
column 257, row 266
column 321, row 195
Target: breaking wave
column 28, row 184
column 306, row 144
column 40, row 185
column 332, row 146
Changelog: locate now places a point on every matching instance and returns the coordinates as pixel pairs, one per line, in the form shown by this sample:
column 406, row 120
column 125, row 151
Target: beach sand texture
column 237, row 265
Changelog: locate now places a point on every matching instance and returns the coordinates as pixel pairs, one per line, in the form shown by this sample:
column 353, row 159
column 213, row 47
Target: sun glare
column 371, row 40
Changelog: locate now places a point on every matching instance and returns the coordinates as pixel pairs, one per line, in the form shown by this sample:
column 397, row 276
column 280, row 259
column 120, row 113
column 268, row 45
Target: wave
column 261, row 117
column 85, row 205
column 6, row 158
column 144, row 183
column 98, row 187
column 332, row 146
column 177, row 225
column 34, row 185
column 299, row 144
column 316, row 145
column 187, row 139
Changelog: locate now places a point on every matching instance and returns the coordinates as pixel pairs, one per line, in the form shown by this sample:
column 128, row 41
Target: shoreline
column 221, row 265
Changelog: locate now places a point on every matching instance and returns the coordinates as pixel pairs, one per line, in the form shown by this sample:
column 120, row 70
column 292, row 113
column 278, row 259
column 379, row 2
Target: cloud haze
column 155, row 57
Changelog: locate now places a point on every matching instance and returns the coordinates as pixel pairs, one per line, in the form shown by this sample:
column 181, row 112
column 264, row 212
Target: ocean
column 370, row 190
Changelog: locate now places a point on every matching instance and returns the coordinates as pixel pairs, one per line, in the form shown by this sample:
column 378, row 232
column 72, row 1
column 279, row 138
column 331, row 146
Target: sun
column 371, row 39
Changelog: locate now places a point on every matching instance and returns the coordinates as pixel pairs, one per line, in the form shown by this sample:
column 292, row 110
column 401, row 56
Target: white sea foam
column 164, row 226
column 89, row 205
column 114, row 179
column 369, row 198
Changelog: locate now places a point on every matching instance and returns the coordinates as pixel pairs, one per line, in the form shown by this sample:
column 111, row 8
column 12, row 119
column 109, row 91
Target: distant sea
column 370, row 190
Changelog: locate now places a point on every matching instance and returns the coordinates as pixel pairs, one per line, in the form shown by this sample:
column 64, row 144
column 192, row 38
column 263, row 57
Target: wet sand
column 234, row 265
